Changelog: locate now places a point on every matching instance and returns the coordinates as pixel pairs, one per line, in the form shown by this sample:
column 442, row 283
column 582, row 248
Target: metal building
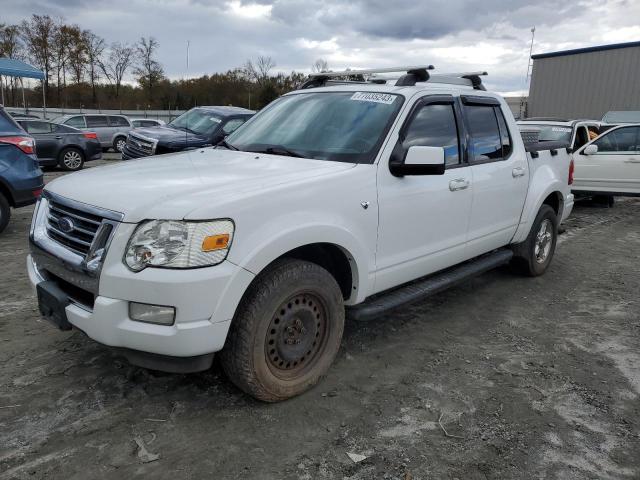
column 586, row 82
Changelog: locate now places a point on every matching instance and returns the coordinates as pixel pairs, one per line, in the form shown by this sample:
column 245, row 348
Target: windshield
column 552, row 133
column 339, row 126
column 197, row 120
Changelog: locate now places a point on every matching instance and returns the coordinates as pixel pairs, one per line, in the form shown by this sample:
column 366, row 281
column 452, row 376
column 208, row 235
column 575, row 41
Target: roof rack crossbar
column 369, row 71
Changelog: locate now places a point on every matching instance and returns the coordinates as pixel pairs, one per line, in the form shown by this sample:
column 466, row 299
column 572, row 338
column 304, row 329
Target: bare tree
column 320, row 65
column 77, row 56
column 94, row 48
column 11, row 47
column 118, row 62
column 148, row 69
column 260, row 71
column 38, row 33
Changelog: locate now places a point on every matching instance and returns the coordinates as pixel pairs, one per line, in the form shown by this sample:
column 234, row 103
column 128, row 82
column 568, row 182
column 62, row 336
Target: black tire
column 286, row 332
column 5, row 212
column 71, row 159
column 118, row 144
column 531, row 261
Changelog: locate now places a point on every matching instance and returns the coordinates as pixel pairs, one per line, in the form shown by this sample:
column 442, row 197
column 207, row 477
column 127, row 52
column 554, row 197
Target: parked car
column 61, row 145
column 573, row 133
column 359, row 195
column 18, row 115
column 21, row 179
column 199, row 127
column 619, row 117
column 111, row 129
column 610, row 164
column 146, row 122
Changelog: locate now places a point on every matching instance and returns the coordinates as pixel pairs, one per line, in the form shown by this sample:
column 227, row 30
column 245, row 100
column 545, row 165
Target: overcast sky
column 454, row 35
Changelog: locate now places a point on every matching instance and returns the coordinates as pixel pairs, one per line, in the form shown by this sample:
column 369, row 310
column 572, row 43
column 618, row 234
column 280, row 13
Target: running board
column 428, row 286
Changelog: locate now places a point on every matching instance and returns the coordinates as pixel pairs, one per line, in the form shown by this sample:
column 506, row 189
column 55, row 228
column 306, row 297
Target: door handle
column 58, row 137
column 518, row 172
column 458, row 184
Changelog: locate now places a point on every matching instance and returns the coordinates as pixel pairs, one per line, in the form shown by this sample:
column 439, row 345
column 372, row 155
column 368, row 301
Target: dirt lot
column 531, row 378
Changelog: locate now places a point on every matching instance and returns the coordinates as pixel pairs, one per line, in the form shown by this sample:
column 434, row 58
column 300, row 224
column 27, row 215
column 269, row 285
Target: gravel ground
column 502, row 377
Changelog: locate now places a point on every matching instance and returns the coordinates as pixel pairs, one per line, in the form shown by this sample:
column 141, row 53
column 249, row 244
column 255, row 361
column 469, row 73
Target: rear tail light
column 571, row 167
column 90, row 135
column 26, row 144
column 36, row 193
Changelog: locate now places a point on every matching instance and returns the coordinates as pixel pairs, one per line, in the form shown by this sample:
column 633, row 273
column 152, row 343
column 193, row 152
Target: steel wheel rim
column 120, row 145
column 72, row 159
column 297, row 335
column 543, row 242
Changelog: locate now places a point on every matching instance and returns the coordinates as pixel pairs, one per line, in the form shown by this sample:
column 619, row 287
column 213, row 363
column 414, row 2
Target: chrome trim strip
column 85, row 207
column 69, row 237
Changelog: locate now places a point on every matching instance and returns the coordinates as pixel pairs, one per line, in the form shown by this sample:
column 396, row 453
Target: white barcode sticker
column 561, row 129
column 374, row 97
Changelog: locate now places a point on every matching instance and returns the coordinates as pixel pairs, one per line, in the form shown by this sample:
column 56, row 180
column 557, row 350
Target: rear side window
column 77, row 122
column 94, row 121
column 116, row 121
column 434, row 125
column 485, row 140
column 625, row 140
column 37, row 127
column 148, row 123
column 8, row 124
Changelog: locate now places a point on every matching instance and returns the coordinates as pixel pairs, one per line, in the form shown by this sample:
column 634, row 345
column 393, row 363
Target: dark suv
column 21, row 180
column 199, row 127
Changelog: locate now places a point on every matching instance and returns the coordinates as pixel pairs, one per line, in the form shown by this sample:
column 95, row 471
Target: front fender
column 275, row 241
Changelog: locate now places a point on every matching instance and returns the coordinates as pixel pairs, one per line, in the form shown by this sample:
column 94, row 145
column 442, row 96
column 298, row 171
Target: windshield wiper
column 280, row 150
column 186, row 129
column 224, row 143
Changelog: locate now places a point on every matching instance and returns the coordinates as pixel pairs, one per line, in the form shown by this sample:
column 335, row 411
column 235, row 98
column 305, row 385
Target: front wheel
column 119, row 143
column 286, row 332
column 5, row 212
column 533, row 256
column 71, row 159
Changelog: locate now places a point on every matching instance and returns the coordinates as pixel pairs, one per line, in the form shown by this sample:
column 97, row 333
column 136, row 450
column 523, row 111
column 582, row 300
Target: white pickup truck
column 353, row 196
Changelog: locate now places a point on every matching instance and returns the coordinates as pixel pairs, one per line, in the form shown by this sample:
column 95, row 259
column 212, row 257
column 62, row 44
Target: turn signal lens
column 215, row 242
column 571, row 170
column 90, row 135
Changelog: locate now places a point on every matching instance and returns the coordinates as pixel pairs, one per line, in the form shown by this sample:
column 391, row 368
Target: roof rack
column 414, row 74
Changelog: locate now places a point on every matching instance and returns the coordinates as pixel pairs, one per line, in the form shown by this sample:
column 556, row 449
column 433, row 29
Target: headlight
column 178, row 244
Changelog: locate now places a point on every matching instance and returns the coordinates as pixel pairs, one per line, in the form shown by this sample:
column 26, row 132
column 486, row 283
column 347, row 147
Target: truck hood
column 170, row 186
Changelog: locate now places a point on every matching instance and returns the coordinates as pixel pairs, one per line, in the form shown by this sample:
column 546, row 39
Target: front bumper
column 205, row 300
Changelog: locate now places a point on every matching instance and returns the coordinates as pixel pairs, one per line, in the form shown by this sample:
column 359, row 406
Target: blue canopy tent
column 17, row 68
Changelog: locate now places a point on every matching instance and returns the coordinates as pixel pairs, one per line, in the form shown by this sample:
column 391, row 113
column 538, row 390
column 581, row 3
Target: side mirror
column 419, row 160
column 590, row 149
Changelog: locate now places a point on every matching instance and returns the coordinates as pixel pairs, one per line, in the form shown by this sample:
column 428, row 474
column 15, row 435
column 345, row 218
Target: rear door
column 500, row 175
column 615, row 168
column 423, row 219
column 47, row 142
column 99, row 125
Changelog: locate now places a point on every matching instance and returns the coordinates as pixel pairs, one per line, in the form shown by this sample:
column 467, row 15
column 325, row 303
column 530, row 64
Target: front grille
column 139, row 147
column 75, row 229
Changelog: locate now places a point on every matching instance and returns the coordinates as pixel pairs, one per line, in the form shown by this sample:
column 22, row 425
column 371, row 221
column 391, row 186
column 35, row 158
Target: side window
column 38, row 127
column 77, row 122
column 94, row 121
column 148, row 123
column 485, row 142
column 435, row 126
column 505, row 137
column 232, row 125
column 116, row 121
column 620, row 140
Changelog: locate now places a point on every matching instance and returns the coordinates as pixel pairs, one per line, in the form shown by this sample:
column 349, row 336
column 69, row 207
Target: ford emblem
column 66, row 225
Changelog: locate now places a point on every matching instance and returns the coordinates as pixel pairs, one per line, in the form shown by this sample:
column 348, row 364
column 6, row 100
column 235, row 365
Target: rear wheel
column 533, row 256
column 118, row 144
column 71, row 159
column 5, row 212
column 286, row 333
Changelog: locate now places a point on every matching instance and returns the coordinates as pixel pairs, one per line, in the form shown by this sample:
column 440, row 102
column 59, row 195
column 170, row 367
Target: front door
column 500, row 176
column 423, row 219
column 615, row 167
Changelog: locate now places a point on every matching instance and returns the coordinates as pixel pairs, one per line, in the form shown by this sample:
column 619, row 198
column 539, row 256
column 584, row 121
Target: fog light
column 143, row 312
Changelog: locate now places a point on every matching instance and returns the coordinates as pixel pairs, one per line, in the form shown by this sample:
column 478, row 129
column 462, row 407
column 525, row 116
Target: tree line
column 84, row 71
